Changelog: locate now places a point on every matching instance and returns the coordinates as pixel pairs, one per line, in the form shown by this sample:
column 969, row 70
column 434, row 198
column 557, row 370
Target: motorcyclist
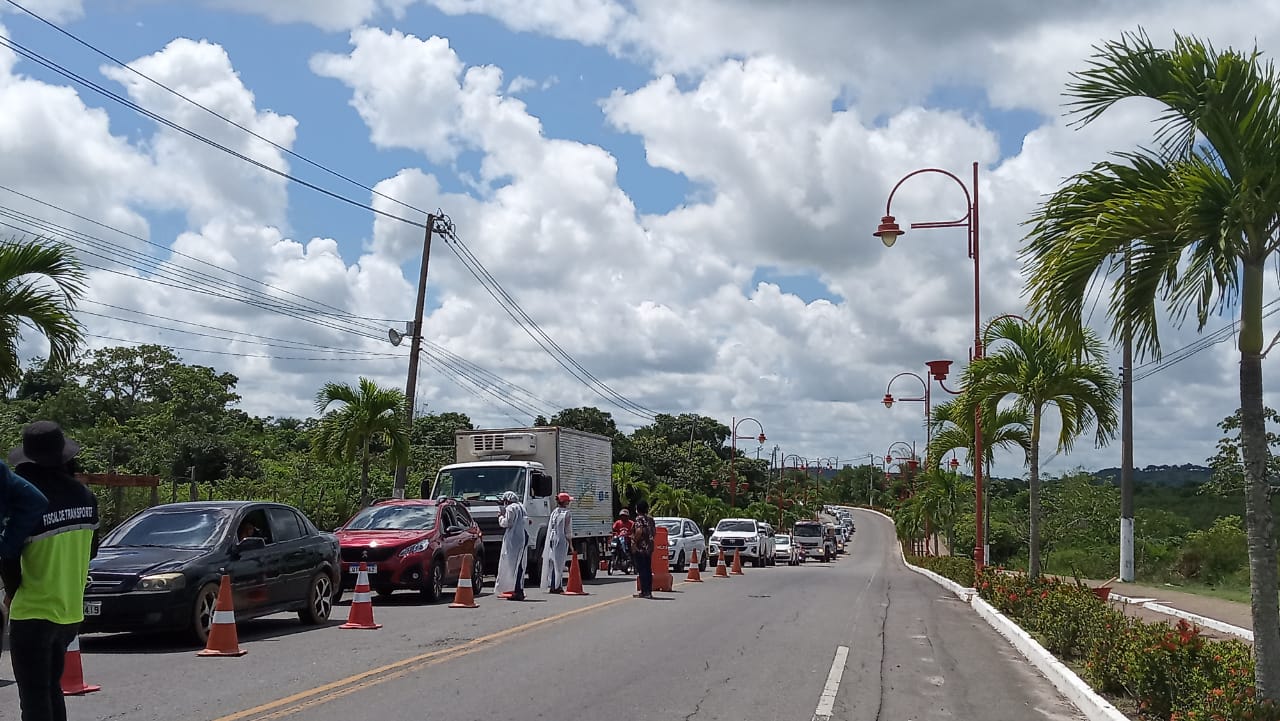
column 622, row 530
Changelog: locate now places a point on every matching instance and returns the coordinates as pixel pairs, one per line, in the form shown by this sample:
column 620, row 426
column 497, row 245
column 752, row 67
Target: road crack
column 697, row 707
column 884, row 622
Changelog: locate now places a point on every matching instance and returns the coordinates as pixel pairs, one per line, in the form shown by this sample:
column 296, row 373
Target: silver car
column 683, row 538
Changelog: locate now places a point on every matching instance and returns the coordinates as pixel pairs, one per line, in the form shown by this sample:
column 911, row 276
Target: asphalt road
column 860, row 639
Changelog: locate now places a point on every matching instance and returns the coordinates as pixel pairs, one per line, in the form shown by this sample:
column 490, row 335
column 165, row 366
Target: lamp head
column 939, row 369
column 954, row 463
column 913, row 464
column 888, row 232
column 761, row 438
column 888, row 400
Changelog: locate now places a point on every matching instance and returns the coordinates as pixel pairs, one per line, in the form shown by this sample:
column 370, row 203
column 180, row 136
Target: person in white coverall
column 515, row 547
column 559, row 531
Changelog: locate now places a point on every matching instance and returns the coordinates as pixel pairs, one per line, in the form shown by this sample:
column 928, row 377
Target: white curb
column 1204, row 621
column 1093, row 706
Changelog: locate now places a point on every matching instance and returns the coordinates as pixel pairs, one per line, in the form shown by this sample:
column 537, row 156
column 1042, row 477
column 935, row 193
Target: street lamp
column 928, row 421
column 733, row 469
column 888, row 232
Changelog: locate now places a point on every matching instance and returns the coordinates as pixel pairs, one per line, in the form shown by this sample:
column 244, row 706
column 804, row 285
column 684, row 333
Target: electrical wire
column 230, row 353
column 473, row 265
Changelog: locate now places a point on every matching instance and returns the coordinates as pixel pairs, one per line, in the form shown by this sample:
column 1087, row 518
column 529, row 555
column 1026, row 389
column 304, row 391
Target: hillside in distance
column 1186, row 474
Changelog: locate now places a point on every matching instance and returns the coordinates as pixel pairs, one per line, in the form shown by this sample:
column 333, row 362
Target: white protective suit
column 559, row 529
column 515, row 547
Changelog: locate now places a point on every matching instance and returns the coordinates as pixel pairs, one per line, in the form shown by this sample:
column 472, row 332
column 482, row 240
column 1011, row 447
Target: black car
column 160, row 569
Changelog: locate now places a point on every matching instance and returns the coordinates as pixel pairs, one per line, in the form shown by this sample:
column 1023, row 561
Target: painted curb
column 1093, row 706
column 1203, row 621
column 1071, row 686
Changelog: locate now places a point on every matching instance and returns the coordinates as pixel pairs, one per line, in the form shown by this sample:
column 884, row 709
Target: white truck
column 537, row 464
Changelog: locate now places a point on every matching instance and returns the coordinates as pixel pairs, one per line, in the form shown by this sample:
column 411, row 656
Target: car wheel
column 433, row 584
column 319, row 601
column 702, row 563
column 681, row 565
column 477, row 575
column 202, row 612
column 384, row 591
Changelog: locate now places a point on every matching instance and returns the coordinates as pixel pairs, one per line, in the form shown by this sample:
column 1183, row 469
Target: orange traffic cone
column 737, row 563
column 722, row 571
column 465, row 596
column 73, row 673
column 574, row 586
column 361, row 614
column 695, row 576
column 222, row 633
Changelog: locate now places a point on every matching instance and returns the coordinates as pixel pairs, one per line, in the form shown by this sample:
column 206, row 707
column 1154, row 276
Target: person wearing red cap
column 559, row 535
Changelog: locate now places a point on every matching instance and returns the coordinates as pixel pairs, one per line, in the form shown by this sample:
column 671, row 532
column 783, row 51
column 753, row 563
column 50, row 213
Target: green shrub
column 1215, row 553
column 956, row 568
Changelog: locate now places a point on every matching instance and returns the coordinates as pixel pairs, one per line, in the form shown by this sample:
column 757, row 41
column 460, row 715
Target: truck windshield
column 480, row 483
column 736, row 526
column 811, row 531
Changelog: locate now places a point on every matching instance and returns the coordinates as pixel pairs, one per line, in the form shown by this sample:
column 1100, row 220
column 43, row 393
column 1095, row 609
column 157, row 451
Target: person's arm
column 21, row 504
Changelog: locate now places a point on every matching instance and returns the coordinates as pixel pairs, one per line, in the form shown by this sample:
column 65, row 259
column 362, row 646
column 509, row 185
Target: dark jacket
column 47, row 582
column 21, row 505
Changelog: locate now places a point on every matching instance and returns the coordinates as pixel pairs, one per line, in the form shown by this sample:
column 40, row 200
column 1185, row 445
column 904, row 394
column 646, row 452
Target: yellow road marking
column 337, row 689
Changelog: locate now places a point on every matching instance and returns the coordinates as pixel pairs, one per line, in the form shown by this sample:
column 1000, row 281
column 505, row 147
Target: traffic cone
column 73, row 673
column 574, row 586
column 222, row 633
column 737, row 563
column 695, row 576
column 465, row 596
column 361, row 614
column 722, row 571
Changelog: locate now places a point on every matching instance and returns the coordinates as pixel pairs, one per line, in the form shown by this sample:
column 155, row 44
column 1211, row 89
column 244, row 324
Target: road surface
column 860, row 639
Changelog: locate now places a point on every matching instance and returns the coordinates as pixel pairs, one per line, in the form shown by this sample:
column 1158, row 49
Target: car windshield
column 394, row 518
column 672, row 525
column 171, row 529
column 479, row 483
column 737, row 526
column 783, row 540
column 807, row 531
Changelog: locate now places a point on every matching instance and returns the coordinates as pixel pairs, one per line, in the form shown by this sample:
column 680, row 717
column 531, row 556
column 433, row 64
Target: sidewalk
column 1229, row 612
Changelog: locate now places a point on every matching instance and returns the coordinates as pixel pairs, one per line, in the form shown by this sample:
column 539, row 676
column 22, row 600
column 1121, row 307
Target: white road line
column 827, row 702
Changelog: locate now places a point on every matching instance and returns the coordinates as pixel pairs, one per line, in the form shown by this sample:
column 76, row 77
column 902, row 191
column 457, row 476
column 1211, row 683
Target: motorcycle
column 620, row 557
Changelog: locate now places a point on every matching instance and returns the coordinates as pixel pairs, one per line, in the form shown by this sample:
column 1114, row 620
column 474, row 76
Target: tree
column 1228, row 471
column 40, row 283
column 1038, row 371
column 1199, row 213
column 369, row 415
column 588, row 419
column 1007, row 427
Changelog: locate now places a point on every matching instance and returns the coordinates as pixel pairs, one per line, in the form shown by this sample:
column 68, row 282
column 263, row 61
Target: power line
column 85, row 82
column 470, row 261
column 230, row 353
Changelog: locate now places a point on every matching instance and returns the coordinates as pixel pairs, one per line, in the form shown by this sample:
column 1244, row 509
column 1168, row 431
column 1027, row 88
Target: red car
column 411, row 543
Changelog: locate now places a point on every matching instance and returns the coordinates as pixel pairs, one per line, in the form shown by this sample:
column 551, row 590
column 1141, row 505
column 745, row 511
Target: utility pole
column 415, row 346
column 195, row 490
column 1126, row 447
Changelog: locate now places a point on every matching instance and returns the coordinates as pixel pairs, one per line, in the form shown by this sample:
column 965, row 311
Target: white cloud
column 790, row 134
column 58, row 11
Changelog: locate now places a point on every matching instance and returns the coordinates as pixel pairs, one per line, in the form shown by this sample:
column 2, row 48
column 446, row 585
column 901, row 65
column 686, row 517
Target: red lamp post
column 733, row 469
column 888, row 232
column 889, row 400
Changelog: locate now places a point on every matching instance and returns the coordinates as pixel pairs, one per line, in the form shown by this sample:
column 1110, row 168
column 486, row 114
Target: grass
column 1226, row 593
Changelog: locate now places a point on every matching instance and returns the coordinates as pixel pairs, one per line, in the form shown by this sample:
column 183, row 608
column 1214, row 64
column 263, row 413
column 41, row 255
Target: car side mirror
column 252, row 543
column 453, row 530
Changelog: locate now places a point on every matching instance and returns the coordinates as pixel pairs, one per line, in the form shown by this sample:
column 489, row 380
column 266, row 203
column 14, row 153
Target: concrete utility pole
column 415, row 347
column 1126, row 448
column 195, row 490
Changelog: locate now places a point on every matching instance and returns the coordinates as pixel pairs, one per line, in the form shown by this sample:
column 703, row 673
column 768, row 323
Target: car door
column 471, row 537
column 696, row 539
column 248, row 568
column 290, row 559
column 451, row 542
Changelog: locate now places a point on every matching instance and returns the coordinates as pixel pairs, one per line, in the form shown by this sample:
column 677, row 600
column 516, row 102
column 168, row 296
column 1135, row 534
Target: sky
column 675, row 199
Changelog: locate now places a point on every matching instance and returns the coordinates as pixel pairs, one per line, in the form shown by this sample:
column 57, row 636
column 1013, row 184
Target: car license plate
column 355, row 568
column 93, row 608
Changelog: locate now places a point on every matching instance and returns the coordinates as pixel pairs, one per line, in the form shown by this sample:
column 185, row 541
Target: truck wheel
column 589, row 564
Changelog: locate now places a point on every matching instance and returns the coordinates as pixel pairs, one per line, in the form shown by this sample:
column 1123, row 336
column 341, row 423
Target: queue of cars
column 160, row 569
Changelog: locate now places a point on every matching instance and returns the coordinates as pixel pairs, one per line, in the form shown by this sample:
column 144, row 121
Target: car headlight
column 161, row 582
column 418, row 547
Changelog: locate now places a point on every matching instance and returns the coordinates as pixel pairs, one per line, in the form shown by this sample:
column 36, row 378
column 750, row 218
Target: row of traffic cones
column 224, row 641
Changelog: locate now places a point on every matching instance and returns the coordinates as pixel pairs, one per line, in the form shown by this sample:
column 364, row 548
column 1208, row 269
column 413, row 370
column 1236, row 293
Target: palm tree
column 1002, row 428
column 1200, row 213
column 628, row 485
column 667, row 500
column 40, row 282
column 369, row 415
column 1039, row 371
column 940, row 500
